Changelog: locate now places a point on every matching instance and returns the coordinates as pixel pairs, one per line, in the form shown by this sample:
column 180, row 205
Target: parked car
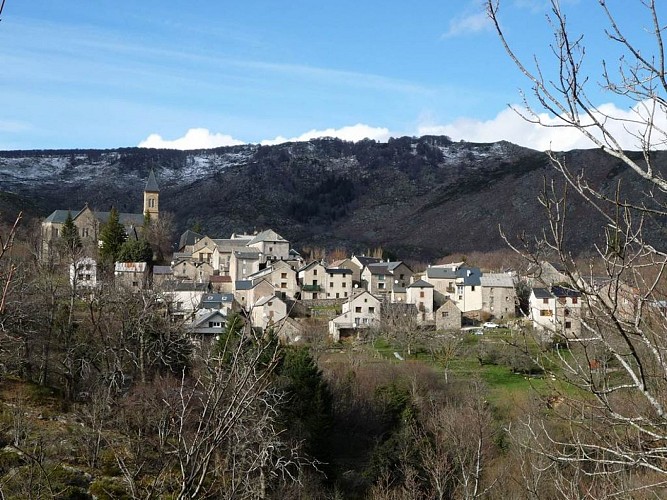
column 489, row 324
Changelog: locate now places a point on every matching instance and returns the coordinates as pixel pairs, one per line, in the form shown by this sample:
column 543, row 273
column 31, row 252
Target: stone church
column 89, row 222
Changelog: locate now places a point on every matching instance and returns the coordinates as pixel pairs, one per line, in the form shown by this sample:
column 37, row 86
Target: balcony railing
column 311, row 288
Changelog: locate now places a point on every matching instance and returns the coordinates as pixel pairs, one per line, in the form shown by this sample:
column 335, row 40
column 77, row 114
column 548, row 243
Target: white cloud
column 468, row 24
column 509, row 126
column 194, row 138
column 350, row 133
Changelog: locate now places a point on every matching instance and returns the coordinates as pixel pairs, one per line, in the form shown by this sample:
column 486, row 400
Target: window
column 283, row 276
column 472, row 288
column 283, row 285
column 337, row 295
column 357, row 309
column 421, row 295
column 401, row 277
column 345, row 295
column 381, row 277
column 545, row 301
column 371, row 309
column 343, row 285
column 270, row 249
column 566, row 312
column 331, row 284
column 445, row 314
column 314, row 272
column 568, row 325
column 545, row 312
column 574, row 300
column 380, row 286
column 151, row 203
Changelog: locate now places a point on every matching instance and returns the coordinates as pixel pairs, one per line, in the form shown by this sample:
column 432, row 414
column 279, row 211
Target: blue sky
column 104, row 74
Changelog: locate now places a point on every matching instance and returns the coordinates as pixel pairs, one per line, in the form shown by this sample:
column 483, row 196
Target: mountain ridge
column 420, row 198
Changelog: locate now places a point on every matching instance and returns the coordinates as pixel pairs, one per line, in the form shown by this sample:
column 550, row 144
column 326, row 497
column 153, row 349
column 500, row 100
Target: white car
column 489, row 325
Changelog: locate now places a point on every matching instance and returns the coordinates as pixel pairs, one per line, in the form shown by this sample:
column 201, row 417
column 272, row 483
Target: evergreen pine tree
column 70, row 235
column 112, row 236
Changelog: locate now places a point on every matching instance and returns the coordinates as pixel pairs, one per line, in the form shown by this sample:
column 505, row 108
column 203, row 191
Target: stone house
column 243, row 263
column 182, row 298
column 458, row 282
column 448, row 316
column 208, row 322
column 338, row 283
column 247, row 293
column 420, row 293
column 360, row 311
column 267, row 311
column 312, row 278
column 498, row 295
column 556, row 310
column 283, row 277
column 132, row 275
column 383, row 278
column 84, row 273
column 360, row 262
column 270, row 245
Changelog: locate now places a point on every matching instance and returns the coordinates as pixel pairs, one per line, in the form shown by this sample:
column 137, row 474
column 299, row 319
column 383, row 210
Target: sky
column 190, row 75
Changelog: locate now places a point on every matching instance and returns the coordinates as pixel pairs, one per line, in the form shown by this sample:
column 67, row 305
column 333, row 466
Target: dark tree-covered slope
column 418, row 197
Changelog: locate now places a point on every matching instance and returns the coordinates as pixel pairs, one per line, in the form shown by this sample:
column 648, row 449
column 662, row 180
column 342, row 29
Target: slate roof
column 215, row 300
column 440, row 273
column 500, row 280
column 379, row 269
column 364, row 260
column 243, row 285
column 267, row 235
column 60, row 216
column 542, row 293
column 205, row 317
column 231, row 243
column 250, row 253
column 420, row 284
column 151, row 183
column 470, row 275
column 338, row 270
column 560, row 291
column 162, row 270
column 125, row 219
column 189, row 238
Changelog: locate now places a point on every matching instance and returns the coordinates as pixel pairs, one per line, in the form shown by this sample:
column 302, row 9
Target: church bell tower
column 151, row 196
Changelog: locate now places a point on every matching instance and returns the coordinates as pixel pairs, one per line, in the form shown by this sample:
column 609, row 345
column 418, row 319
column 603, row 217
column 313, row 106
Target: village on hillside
column 263, row 278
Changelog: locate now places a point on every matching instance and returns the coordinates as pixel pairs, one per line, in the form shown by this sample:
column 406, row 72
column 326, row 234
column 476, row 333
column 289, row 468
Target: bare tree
column 614, row 424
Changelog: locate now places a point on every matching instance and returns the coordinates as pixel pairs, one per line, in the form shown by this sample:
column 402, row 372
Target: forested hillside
column 417, row 197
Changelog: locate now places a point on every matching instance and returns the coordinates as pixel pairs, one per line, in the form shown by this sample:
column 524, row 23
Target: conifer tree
column 70, row 235
column 112, row 236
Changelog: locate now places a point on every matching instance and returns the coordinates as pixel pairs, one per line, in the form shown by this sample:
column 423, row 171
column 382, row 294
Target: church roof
column 59, row 216
column 151, row 183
